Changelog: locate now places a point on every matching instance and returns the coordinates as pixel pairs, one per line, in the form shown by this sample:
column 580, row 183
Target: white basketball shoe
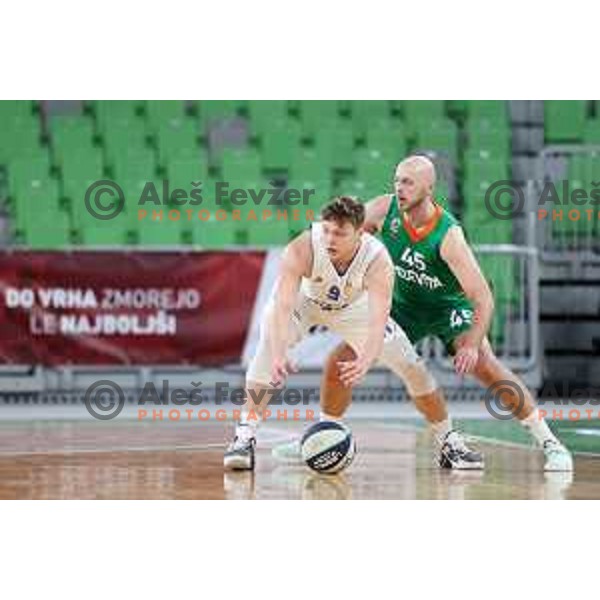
column 558, row 458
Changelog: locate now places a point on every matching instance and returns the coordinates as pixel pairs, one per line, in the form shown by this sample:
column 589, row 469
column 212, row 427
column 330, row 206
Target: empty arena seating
column 50, row 160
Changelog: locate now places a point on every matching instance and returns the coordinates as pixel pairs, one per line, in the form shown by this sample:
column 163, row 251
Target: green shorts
column 445, row 323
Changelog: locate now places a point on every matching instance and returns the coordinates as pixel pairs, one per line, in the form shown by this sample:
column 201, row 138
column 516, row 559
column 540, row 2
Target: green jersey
column 428, row 299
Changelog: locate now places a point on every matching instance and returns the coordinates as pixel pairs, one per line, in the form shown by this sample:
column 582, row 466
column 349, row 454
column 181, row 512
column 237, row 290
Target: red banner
column 101, row 308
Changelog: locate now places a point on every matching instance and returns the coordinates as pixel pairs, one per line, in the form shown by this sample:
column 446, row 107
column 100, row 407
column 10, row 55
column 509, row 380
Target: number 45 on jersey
column 414, row 259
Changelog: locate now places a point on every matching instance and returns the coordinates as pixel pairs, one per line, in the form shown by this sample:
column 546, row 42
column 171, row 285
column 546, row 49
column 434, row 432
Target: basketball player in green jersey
column 439, row 291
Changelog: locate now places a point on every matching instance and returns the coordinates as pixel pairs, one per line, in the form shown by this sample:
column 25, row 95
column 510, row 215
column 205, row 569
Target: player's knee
column 331, row 372
column 417, row 378
column 340, row 353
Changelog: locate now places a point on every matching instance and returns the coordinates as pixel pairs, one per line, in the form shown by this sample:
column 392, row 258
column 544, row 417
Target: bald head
column 414, row 181
column 421, row 168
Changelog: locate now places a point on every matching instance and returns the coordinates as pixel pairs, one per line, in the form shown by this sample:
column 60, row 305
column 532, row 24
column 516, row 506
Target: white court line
column 54, row 451
column 594, row 432
column 270, row 436
column 489, row 440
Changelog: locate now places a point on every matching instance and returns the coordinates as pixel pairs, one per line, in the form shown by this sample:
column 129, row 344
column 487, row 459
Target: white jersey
column 325, row 286
column 339, row 304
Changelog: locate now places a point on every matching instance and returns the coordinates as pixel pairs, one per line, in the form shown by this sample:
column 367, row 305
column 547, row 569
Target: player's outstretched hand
column 465, row 359
column 280, row 370
column 353, row 371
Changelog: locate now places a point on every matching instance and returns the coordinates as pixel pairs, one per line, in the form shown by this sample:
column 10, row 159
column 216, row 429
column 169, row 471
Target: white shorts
column 350, row 323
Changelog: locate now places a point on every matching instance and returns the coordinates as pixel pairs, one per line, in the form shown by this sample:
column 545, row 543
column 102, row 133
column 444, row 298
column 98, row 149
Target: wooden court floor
column 111, row 460
column 131, row 460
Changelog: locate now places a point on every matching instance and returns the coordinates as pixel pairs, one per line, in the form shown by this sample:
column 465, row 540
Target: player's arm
column 375, row 212
column 460, row 259
column 294, row 265
column 379, row 282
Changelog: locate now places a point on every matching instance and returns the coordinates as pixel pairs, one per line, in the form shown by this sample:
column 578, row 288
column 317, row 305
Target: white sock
column 441, row 429
column 325, row 417
column 538, row 428
column 246, row 428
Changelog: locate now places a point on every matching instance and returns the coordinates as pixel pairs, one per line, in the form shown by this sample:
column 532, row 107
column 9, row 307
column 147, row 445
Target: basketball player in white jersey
column 334, row 275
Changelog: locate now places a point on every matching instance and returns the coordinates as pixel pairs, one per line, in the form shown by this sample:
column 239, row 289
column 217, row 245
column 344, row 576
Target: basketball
column 328, row 447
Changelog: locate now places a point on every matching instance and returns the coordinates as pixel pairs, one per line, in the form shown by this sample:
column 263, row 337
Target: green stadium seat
column 104, row 235
column 272, row 232
column 181, row 172
column 335, row 145
column 496, row 333
column 75, row 190
column 366, row 112
column 375, row 168
column 591, row 132
column 214, row 110
column 487, row 169
column 134, row 163
column 308, row 165
column 123, row 137
column 207, row 192
column 388, row 137
column 316, row 114
column 164, row 232
column 323, row 192
column 95, row 232
column 580, row 167
column 565, row 228
column 457, row 108
column 493, row 110
column 87, row 162
column 78, row 172
column 564, row 120
column 396, row 107
column 241, row 165
column 363, row 190
column 442, row 192
column 500, row 272
column 419, row 113
column 217, row 194
column 491, row 136
column 239, row 197
column 70, row 135
column 440, row 135
column 279, row 144
column 37, row 199
column 263, row 113
column 483, row 229
column 214, row 234
column 20, row 139
column 301, row 220
column 474, row 196
column 477, row 154
column 21, row 171
column 107, row 111
column 177, row 138
column 596, row 166
column 15, row 109
column 160, row 112
column 48, row 235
